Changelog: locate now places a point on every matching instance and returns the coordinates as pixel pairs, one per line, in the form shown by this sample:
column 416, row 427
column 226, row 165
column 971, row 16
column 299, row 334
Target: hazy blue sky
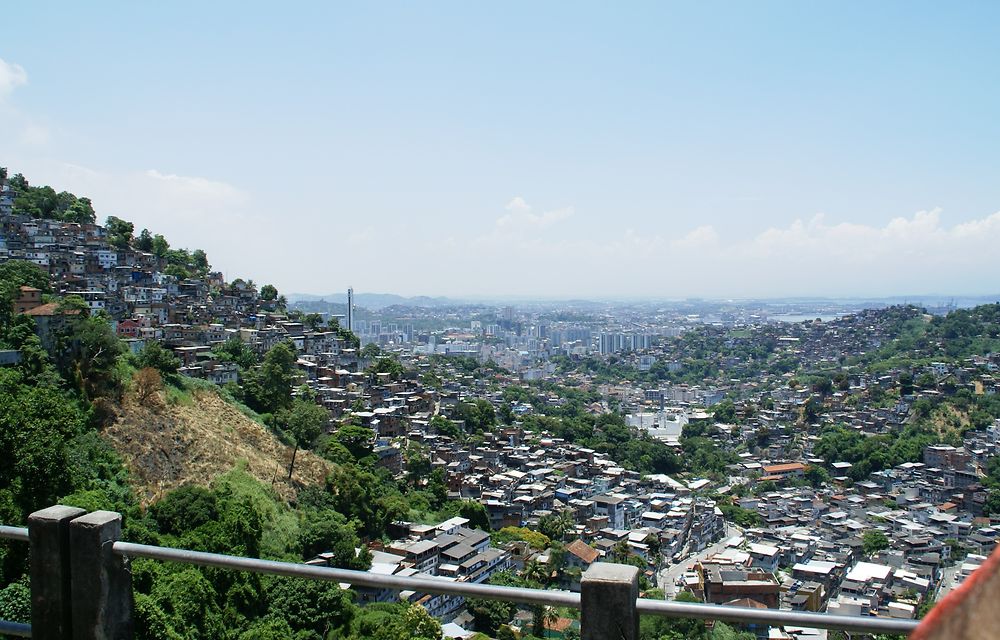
column 605, row 149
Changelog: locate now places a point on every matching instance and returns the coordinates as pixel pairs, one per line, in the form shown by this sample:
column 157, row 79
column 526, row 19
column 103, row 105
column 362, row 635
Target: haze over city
column 585, row 150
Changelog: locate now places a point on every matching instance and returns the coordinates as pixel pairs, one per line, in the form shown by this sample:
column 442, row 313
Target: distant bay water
column 802, row 317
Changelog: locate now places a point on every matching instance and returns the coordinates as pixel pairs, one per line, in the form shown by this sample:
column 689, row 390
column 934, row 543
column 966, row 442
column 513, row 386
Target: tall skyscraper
column 350, row 309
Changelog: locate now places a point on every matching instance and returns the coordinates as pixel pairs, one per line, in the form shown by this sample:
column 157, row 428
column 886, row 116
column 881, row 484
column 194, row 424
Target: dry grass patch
column 197, row 436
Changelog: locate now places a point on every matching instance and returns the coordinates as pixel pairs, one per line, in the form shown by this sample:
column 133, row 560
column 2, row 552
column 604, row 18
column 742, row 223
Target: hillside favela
column 650, row 322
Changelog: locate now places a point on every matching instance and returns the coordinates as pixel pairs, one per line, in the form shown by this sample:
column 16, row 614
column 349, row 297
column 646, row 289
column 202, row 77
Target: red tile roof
column 50, row 309
column 784, row 468
column 583, row 551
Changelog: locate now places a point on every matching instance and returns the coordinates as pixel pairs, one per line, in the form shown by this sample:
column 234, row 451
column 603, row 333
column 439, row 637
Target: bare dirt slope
column 169, row 445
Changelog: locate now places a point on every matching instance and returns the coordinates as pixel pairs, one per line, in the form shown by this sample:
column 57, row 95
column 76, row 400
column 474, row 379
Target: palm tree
column 536, row 571
column 550, row 617
column 620, row 551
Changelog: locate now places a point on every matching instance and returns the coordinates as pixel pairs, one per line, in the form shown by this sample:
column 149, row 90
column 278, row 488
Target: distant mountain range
column 376, row 300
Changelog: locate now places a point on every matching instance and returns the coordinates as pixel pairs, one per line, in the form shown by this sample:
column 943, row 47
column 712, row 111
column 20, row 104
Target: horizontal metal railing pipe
column 863, row 624
column 15, row 629
column 14, row 533
column 18, row 629
column 774, row 617
column 349, row 576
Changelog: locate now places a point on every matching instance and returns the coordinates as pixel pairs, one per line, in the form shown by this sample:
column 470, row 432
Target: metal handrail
column 14, row 533
column 349, row 576
column 7, row 627
column 701, row 611
column 15, row 629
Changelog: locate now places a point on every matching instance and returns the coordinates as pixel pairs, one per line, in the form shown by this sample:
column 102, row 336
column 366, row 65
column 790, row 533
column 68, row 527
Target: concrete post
column 49, row 570
column 101, row 581
column 608, row 595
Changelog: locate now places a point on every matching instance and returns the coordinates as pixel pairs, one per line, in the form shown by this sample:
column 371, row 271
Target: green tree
column 478, row 415
column 154, row 355
column 269, row 388
column 488, row 615
column 119, row 232
column 505, row 633
column 725, row 412
column 15, row 602
column 235, row 350
column 151, row 621
column 874, row 541
column 445, row 427
column 160, row 246
column 506, row 413
column 35, row 363
column 329, row 532
column 145, row 241
column 476, row 514
column 190, row 603
column 357, row 440
column 387, row 364
column 437, row 487
column 811, row 410
column 555, row 526
column 89, row 352
column 313, row 605
column 536, row 540
column 268, row 293
column 185, row 508
column 817, row 476
column 313, row 321
column 418, row 463
column 200, row 261
column 657, row 628
column 304, row 422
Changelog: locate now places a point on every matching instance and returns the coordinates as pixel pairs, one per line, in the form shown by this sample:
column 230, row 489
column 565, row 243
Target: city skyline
column 662, row 150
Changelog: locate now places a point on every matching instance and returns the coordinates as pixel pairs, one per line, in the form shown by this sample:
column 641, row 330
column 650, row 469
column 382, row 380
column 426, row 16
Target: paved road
column 669, row 574
column 948, row 575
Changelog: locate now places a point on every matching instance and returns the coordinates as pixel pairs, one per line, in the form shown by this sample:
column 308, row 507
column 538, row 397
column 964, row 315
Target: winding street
column 667, row 576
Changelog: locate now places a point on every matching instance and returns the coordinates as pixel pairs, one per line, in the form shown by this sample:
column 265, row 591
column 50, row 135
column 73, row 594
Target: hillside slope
column 170, row 445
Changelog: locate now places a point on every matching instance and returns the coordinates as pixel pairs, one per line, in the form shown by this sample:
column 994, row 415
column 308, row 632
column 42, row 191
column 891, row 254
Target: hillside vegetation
column 196, row 436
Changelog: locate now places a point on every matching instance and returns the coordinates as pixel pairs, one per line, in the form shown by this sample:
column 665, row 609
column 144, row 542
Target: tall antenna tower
column 350, row 309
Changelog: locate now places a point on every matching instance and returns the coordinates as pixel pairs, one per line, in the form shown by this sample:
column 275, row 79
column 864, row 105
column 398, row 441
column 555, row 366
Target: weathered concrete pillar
column 51, row 603
column 101, row 581
column 608, row 594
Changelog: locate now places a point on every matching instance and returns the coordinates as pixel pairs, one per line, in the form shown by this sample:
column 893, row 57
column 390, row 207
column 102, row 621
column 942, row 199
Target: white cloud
column 17, row 129
column 918, row 254
column 11, row 76
column 519, row 217
column 199, row 193
column 699, row 238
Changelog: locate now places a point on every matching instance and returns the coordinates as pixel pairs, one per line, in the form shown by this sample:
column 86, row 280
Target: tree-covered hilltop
column 45, row 202
column 959, row 334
